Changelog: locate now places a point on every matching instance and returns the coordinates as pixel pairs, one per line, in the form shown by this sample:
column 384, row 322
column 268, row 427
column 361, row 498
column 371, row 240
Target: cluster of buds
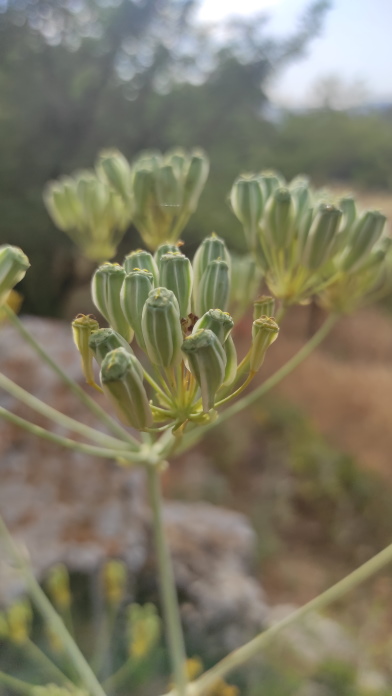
column 185, row 364
column 163, row 190
column 305, row 244
column 87, row 208
column 157, row 192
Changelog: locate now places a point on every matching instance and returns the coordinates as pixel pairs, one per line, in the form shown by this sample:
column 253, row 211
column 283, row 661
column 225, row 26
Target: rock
column 68, row 507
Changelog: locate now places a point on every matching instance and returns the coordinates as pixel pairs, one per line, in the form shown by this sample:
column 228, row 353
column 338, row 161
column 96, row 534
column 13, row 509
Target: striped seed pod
column 207, row 362
column 321, row 236
column 279, row 218
column 161, row 326
column 264, row 332
column 134, row 292
column 247, row 201
column 221, row 323
column 264, row 306
column 175, row 274
column 82, row 327
column 106, row 288
column 115, row 170
column 102, row 341
column 211, row 248
column 164, row 249
column 214, row 287
column 231, row 361
column 122, row 381
column 195, row 179
column 143, row 260
column 364, row 235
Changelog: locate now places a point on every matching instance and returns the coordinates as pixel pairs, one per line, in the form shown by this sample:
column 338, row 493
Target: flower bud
column 82, row 327
column 136, row 287
column 143, row 191
column 102, row 341
column 57, row 584
column 245, row 281
column 114, row 168
column 247, row 202
column 20, row 618
column 264, row 306
column 364, row 235
column 13, row 266
column 207, row 362
column 106, row 288
column 161, row 326
column 164, row 249
column 195, row 179
column 168, row 188
column 214, row 287
column 231, row 361
column 175, row 274
column 143, row 260
column 270, row 181
column 122, row 381
column 321, row 236
column 211, row 248
column 221, row 323
column 264, row 332
column 279, row 218
column 114, row 580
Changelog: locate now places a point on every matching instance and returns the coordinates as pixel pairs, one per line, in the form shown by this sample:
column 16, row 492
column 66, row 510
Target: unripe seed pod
column 214, row 287
column 231, row 361
column 142, row 259
column 136, row 287
column 270, row 181
column 195, row 179
column 143, row 190
column 106, row 288
column 264, row 332
column 247, row 201
column 164, row 249
column 57, row 584
column 264, row 306
column 221, row 323
column 82, row 327
column 102, row 341
column 114, row 168
column 321, row 236
column 211, row 248
column 114, row 580
column 279, row 218
column 364, row 235
column 13, row 266
column 168, row 188
column 175, row 274
column 207, row 362
column 122, row 381
column 161, row 326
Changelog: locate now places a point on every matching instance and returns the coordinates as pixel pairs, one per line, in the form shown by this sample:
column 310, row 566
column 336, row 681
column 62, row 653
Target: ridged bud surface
column 364, row 235
column 161, row 328
column 321, row 236
column 221, row 323
column 264, row 332
column 211, row 248
column 195, row 179
column 103, row 341
column 106, row 289
column 143, row 260
column 207, row 362
column 214, row 288
column 114, row 168
column 134, row 292
column 279, row 218
column 82, row 327
column 247, row 201
column 175, row 274
column 122, row 381
column 264, row 306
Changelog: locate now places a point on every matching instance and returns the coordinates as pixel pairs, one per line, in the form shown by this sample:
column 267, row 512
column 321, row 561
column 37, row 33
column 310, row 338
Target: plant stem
column 251, row 649
column 171, row 609
column 52, row 617
column 56, row 416
column 21, row 687
column 115, row 427
column 129, row 456
column 37, row 655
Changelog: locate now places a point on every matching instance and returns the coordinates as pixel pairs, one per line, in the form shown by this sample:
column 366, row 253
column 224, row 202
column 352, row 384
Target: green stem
column 269, row 384
column 251, row 649
column 57, row 417
column 167, row 586
column 52, row 617
column 70, row 444
column 21, row 687
column 74, row 387
column 115, row 680
column 237, row 392
column 38, row 656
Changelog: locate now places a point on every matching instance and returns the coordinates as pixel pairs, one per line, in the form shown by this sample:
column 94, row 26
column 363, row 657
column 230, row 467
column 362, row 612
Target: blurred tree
column 78, row 75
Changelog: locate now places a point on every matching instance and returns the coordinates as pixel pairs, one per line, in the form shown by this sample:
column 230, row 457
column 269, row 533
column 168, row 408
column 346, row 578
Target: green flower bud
column 207, row 362
column 168, row 188
column 143, row 260
column 13, row 266
column 211, row 248
column 299, row 189
column 195, row 179
column 136, row 287
column 364, row 235
column 321, row 236
column 161, row 326
column 143, row 191
column 175, row 274
column 122, row 381
column 214, row 288
column 349, row 210
column 264, row 306
column 82, row 327
column 20, row 618
column 231, row 361
column 247, row 202
column 106, row 288
column 264, row 332
column 245, row 281
column 58, row 586
column 114, row 580
column 164, row 249
column 221, row 323
column 102, row 341
column 279, row 218
column 269, row 181
column 114, row 169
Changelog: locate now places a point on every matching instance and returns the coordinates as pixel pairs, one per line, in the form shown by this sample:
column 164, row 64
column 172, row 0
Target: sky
column 355, row 44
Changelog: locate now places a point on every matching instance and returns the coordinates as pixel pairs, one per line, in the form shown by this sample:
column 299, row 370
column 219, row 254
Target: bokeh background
column 294, row 85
